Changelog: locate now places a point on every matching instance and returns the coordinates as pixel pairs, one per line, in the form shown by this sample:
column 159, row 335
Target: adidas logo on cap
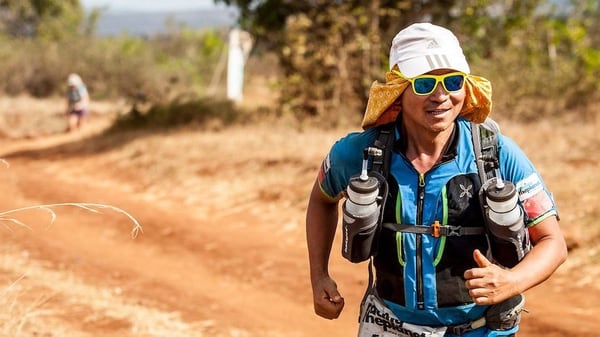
column 433, row 44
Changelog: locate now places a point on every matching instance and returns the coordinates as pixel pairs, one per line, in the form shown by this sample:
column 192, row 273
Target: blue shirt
column 446, row 190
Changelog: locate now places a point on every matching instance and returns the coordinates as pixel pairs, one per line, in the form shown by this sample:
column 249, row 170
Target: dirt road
column 222, row 251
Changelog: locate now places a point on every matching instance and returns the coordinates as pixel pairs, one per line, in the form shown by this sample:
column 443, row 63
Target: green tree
column 330, row 51
column 47, row 19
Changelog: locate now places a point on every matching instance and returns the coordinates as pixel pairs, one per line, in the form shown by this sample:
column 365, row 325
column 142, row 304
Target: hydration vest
column 74, row 94
column 419, row 263
column 408, row 256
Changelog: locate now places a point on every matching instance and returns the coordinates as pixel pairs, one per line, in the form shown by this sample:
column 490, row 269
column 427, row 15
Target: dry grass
column 6, row 217
column 17, row 313
column 67, row 296
column 25, row 316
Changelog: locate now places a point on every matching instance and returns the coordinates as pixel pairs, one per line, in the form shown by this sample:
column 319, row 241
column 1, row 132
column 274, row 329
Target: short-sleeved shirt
column 448, row 193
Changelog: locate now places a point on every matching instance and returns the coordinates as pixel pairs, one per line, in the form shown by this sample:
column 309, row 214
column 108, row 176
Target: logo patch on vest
column 466, row 191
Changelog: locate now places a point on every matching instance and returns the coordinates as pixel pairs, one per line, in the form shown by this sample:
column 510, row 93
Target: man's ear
column 397, row 105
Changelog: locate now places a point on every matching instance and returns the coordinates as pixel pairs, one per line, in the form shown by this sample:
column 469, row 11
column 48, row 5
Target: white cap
column 423, row 47
column 74, row 80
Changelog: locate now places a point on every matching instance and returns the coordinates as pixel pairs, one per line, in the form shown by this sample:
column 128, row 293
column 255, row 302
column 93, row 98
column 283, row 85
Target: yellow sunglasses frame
column 438, row 79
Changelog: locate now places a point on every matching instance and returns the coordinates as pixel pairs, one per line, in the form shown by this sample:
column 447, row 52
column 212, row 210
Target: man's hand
column 489, row 284
column 327, row 300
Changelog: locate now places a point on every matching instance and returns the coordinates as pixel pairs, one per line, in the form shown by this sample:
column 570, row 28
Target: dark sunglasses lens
column 454, row 82
column 424, row 85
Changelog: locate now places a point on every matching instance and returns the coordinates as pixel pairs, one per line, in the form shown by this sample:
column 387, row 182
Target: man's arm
column 321, row 223
column 490, row 284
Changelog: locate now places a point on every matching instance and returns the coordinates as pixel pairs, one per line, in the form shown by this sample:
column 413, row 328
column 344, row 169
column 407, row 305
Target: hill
column 138, row 23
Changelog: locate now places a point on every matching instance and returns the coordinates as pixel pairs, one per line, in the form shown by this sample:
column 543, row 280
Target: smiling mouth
column 437, row 112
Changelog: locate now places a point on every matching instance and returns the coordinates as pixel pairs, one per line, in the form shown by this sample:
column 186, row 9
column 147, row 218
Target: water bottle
column 361, row 212
column 509, row 236
column 362, row 196
column 361, row 215
column 502, row 198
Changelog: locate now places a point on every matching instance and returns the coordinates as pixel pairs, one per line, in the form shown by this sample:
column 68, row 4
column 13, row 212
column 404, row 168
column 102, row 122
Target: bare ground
column 222, row 251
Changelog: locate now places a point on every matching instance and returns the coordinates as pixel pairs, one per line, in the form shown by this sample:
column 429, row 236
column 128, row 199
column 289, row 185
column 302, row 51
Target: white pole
column 235, row 67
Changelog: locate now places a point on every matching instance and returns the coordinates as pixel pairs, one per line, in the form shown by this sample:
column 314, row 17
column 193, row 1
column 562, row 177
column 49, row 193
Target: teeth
column 437, row 112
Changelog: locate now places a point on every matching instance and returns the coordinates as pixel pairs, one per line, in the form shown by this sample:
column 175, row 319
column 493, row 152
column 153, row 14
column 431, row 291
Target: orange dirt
column 222, row 251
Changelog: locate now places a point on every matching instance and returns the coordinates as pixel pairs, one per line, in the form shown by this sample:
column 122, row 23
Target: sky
column 150, row 5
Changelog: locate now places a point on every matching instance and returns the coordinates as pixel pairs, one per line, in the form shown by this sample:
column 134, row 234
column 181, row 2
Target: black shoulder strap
column 485, row 145
column 384, row 142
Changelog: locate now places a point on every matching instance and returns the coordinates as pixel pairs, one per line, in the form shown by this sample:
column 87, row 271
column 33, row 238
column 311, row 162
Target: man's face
column 435, row 112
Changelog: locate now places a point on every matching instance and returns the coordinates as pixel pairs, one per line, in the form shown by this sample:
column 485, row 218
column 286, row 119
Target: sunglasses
column 425, row 84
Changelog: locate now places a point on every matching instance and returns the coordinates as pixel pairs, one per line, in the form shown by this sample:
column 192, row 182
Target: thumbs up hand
column 489, row 284
column 480, row 259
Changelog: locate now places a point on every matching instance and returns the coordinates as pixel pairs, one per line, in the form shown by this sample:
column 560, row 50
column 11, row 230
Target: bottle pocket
column 508, row 235
column 507, row 252
column 358, row 233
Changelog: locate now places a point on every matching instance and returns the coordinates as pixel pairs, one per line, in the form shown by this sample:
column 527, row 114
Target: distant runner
column 77, row 102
